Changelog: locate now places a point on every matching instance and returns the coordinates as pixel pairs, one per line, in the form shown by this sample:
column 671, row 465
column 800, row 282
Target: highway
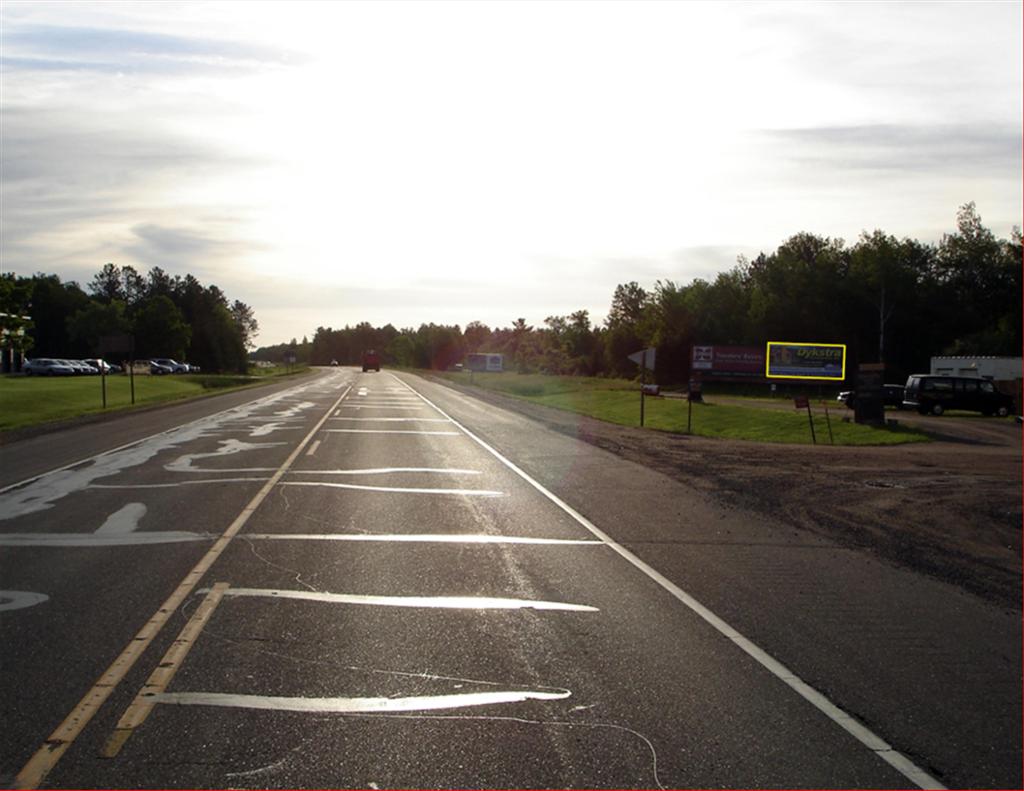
column 372, row 581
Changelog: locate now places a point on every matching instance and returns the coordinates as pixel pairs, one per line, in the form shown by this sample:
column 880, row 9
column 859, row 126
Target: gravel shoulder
column 950, row 509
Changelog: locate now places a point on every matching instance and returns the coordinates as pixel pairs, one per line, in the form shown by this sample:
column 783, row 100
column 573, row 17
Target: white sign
column 638, row 357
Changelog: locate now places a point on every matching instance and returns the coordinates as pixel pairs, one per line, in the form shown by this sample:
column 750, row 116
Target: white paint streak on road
column 386, row 471
column 428, row 602
column 313, row 447
column 426, row 538
column 174, row 485
column 398, row 489
column 123, row 521
column 229, row 447
column 360, row 406
column 19, row 600
column 355, row 705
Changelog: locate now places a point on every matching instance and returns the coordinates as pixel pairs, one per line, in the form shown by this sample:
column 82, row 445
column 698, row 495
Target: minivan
column 932, row 393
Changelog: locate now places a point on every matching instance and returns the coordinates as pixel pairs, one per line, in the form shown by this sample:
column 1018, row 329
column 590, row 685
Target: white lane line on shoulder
column 313, row 447
column 428, row 602
column 397, row 489
column 50, row 752
column 361, row 406
column 861, row 733
column 355, row 705
column 426, row 538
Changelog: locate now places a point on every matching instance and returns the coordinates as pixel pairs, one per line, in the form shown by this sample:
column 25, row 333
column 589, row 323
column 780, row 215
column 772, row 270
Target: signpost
column 645, row 359
column 802, row 402
column 121, row 344
column 869, row 404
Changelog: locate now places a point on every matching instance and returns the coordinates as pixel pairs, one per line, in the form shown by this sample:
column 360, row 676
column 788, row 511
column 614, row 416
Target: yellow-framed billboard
column 819, row 361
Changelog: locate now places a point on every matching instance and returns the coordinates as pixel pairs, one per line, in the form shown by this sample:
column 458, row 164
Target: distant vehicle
column 892, row 395
column 157, row 369
column 103, row 366
column 371, row 360
column 79, row 367
column 176, row 367
column 334, row 362
column 45, row 366
column 936, row 394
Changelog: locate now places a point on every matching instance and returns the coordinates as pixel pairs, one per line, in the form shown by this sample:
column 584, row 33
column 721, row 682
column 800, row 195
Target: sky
column 329, row 163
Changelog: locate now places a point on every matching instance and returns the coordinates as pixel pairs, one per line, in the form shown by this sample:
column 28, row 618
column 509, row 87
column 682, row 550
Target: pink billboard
column 728, row 361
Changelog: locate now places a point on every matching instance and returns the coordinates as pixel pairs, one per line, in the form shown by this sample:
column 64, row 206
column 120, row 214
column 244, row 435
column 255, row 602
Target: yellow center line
column 51, row 751
column 140, row 708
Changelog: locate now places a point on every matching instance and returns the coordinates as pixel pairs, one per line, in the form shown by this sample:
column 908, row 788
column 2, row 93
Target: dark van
column 931, row 393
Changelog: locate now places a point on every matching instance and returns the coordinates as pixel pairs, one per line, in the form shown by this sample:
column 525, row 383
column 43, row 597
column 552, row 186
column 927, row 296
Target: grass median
column 618, row 401
column 34, row 400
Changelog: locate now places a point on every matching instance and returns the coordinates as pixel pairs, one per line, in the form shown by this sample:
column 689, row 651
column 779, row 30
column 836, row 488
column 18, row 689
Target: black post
column 810, row 420
column 689, row 413
column 831, row 439
column 131, row 377
column 643, row 381
column 103, row 382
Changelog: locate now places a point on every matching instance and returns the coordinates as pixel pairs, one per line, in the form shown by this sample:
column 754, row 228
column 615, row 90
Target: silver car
column 45, row 366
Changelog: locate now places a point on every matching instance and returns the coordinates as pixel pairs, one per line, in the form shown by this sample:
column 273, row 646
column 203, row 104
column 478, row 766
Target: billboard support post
column 643, row 381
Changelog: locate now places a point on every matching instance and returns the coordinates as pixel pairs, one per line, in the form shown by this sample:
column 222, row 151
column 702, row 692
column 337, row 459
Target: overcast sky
column 330, row 163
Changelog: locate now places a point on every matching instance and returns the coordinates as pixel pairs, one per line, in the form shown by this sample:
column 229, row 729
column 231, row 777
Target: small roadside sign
column 800, row 402
column 645, row 357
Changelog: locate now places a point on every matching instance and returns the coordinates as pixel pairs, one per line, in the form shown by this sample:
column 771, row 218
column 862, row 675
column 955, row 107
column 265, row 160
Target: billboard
column 806, row 361
column 493, row 363
column 728, row 361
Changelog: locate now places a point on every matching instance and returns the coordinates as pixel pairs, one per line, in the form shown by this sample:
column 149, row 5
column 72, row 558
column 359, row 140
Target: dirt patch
column 949, row 509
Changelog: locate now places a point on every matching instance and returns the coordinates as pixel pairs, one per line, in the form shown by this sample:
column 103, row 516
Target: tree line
column 901, row 301
column 168, row 316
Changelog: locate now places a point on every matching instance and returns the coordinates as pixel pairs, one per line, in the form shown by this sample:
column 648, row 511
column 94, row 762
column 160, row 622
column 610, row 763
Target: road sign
column 639, row 358
column 800, row 402
column 806, row 361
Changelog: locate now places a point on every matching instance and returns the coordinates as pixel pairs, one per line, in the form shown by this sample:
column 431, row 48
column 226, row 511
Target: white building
column 1001, row 369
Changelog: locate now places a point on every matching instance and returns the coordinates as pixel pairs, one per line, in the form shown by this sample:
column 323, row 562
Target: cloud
column 949, row 149
column 111, row 50
column 188, row 249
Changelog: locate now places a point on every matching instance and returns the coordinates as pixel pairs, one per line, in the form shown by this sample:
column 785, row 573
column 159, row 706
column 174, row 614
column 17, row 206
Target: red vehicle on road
column 371, row 360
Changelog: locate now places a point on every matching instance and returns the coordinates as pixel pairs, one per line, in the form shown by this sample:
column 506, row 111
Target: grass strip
column 618, row 401
column 34, row 400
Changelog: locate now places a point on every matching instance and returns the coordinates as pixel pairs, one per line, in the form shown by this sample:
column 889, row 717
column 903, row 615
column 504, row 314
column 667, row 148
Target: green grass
column 33, row 400
column 617, row 401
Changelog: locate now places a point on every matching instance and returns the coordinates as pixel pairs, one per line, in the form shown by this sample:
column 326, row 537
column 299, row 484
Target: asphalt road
column 369, row 580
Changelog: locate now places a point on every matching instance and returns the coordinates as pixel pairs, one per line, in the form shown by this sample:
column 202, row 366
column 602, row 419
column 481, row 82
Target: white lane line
column 392, row 419
column 399, row 489
column 426, row 538
column 428, row 602
column 313, row 447
column 355, row 705
column 387, row 471
column 390, row 431
column 138, row 538
column 360, row 406
column 864, row 735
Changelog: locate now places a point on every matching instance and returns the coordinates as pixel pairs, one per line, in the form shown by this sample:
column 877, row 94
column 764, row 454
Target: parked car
column 371, row 360
column 102, row 366
column 156, row 369
column 935, row 394
column 79, row 367
column 45, row 366
column 175, row 367
column 892, row 395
